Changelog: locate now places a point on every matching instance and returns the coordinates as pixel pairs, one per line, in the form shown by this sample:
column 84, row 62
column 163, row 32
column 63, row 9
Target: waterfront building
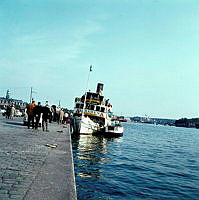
column 7, row 101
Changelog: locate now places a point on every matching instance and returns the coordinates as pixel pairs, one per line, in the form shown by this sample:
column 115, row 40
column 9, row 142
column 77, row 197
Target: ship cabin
column 92, row 98
column 95, row 105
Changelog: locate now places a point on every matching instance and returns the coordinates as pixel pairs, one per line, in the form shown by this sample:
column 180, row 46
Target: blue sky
column 144, row 51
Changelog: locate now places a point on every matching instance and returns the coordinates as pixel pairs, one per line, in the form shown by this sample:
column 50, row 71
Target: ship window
column 77, row 105
column 89, row 95
column 111, row 128
column 101, row 98
column 97, row 108
column 102, row 109
column 92, row 107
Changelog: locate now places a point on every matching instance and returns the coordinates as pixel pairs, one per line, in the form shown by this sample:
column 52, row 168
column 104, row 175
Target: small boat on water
column 93, row 115
column 114, row 130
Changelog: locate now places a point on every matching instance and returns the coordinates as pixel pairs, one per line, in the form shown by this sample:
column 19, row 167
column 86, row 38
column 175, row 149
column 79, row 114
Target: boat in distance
column 93, row 115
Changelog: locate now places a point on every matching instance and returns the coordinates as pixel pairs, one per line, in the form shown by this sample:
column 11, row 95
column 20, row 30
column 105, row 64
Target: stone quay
column 35, row 165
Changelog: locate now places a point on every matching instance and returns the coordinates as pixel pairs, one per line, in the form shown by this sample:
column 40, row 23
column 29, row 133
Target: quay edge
column 56, row 179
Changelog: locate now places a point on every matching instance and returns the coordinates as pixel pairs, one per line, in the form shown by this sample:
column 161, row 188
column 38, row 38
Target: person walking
column 65, row 117
column 8, row 111
column 51, row 114
column 37, row 110
column 61, row 116
column 31, row 114
column 12, row 112
column 45, row 116
column 68, row 118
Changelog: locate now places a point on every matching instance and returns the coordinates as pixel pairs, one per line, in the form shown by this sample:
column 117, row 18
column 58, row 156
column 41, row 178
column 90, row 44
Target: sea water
column 148, row 162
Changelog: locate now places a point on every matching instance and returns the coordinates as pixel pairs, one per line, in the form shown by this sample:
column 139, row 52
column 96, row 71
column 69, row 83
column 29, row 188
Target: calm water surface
column 148, row 162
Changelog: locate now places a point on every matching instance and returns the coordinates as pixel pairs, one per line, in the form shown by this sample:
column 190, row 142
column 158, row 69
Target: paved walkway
column 29, row 168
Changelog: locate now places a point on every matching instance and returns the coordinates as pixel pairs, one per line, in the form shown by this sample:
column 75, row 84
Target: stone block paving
column 23, row 152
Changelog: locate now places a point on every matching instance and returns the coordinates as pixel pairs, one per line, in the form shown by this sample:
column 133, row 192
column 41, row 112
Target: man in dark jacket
column 37, row 110
column 46, row 112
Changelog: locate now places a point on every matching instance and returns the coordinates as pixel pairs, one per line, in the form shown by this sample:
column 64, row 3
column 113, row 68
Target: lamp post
column 31, row 92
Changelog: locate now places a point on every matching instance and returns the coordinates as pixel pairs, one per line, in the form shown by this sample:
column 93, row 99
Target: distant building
column 153, row 120
column 8, row 101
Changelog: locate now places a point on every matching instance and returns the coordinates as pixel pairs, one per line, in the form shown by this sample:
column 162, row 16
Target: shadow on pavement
column 15, row 123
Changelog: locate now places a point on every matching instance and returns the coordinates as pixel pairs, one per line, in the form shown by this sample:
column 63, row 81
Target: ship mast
column 90, row 70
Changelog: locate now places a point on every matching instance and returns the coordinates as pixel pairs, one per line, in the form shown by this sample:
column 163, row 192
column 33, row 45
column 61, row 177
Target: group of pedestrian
column 59, row 115
column 63, row 117
column 10, row 111
column 38, row 114
column 46, row 114
column 35, row 112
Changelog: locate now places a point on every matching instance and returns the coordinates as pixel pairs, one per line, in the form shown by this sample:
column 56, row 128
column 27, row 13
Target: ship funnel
column 100, row 88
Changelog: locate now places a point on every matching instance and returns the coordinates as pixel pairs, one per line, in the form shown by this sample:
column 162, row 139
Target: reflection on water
column 89, row 153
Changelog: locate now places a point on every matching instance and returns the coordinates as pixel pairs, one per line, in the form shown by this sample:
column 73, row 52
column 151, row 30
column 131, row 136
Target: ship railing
column 98, row 101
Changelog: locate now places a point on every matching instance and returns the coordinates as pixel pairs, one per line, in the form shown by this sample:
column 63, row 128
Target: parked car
column 2, row 111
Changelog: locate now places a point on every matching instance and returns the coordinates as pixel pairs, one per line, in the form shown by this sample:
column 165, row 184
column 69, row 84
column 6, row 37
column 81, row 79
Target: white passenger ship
column 93, row 115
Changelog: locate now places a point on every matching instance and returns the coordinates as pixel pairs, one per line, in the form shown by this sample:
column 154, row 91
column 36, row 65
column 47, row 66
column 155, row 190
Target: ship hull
column 84, row 126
